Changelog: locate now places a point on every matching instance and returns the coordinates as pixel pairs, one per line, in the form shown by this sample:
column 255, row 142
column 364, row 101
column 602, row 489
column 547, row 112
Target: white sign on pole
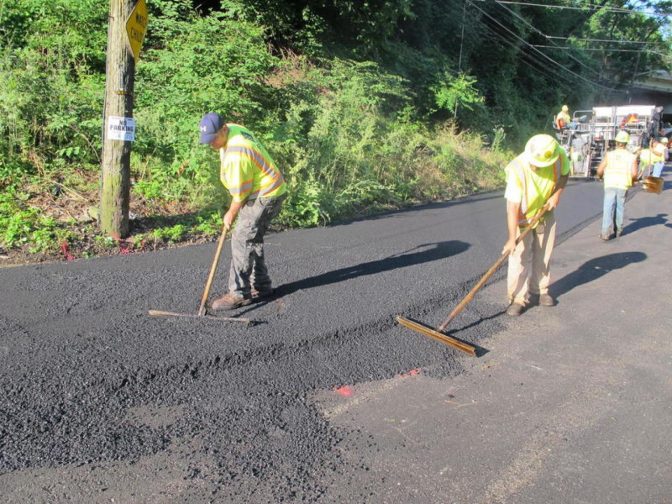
column 121, row 128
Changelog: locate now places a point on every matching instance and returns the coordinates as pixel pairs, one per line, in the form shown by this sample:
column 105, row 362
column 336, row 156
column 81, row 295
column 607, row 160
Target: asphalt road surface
column 325, row 398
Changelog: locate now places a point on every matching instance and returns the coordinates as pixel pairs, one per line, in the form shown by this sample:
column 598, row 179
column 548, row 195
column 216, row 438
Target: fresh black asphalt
column 89, row 381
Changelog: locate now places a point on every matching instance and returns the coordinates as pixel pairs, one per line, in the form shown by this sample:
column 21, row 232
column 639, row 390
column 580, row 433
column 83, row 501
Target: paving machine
column 591, row 133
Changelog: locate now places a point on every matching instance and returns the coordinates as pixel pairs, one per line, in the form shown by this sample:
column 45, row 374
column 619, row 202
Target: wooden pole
column 213, row 270
column 115, row 183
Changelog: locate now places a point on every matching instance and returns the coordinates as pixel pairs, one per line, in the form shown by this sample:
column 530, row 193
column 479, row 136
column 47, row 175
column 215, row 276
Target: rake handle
column 159, row 313
column 495, row 266
column 213, row 270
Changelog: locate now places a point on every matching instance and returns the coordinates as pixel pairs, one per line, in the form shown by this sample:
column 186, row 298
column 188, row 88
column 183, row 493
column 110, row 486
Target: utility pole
column 126, row 30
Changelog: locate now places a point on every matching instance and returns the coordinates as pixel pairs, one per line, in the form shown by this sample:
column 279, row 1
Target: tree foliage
column 362, row 102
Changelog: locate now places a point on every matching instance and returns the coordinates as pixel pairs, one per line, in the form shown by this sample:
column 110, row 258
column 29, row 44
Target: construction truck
column 591, row 134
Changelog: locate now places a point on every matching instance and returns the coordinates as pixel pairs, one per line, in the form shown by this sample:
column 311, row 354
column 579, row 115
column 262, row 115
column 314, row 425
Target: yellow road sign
column 136, row 26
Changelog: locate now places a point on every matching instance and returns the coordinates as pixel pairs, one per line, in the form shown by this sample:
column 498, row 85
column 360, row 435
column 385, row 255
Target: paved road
column 103, row 403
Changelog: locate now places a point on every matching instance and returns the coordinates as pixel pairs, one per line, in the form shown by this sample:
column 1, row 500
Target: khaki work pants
column 529, row 264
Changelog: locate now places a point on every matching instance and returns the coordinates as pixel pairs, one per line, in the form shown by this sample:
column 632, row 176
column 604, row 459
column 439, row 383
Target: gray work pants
column 248, row 269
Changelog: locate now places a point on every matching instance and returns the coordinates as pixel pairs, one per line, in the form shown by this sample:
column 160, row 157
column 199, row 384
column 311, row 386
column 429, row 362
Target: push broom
column 437, row 333
column 201, row 309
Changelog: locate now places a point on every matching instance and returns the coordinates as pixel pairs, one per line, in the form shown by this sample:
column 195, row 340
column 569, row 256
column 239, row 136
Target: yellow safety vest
column 648, row 157
column 532, row 188
column 618, row 170
column 247, row 169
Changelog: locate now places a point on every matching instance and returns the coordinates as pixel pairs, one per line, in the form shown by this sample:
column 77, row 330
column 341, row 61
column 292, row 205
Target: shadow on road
column 429, row 252
column 594, row 269
column 636, row 224
column 438, row 250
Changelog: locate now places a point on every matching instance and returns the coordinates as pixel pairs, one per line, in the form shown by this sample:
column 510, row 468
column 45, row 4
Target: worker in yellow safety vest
column 619, row 169
column 257, row 190
column 562, row 120
column 652, row 158
column 535, row 179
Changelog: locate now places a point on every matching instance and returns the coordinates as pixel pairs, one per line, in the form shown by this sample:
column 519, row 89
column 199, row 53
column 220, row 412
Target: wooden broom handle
column 213, row 270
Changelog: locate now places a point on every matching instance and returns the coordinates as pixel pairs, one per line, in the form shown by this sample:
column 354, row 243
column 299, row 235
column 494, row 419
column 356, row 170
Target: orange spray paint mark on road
column 412, row 372
column 345, row 391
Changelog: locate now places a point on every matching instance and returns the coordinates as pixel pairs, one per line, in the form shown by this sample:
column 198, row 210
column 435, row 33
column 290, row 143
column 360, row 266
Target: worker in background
column 562, row 120
column 257, row 190
column 666, row 143
column 660, row 149
column 652, row 160
column 535, row 179
column 619, row 169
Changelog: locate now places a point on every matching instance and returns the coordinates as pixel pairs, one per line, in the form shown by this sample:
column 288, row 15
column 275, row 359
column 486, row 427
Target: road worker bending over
column 619, row 169
column 257, row 190
column 534, row 179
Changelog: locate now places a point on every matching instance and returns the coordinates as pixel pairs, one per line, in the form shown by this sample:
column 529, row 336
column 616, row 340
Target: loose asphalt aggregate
column 102, row 403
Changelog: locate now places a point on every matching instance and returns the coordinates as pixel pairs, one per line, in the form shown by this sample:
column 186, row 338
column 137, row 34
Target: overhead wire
column 616, row 10
column 536, row 64
column 611, row 41
column 541, row 53
column 537, row 30
column 538, row 67
column 600, row 49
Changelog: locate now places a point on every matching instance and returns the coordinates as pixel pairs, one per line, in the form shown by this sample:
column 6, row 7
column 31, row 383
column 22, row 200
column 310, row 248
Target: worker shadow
column 644, row 222
column 421, row 254
column 594, row 269
column 427, row 252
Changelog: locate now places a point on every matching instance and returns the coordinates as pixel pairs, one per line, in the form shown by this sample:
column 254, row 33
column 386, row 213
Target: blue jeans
column 613, row 198
column 658, row 169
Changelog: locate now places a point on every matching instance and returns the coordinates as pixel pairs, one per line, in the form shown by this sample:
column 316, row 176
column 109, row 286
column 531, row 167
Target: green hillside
column 365, row 105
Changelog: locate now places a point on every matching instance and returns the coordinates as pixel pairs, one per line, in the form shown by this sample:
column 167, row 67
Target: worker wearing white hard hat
column 619, row 169
column 534, row 181
column 563, row 119
column 665, row 142
column 660, row 150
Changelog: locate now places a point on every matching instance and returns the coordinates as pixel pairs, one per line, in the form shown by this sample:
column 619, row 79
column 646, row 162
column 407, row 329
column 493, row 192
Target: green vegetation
column 364, row 105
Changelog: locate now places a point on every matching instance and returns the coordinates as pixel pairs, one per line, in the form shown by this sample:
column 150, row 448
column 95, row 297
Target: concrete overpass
column 654, row 88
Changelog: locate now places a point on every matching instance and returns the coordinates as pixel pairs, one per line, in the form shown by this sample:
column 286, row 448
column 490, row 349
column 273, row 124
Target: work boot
column 230, row 301
column 515, row 309
column 604, row 237
column 546, row 300
column 259, row 294
column 619, row 232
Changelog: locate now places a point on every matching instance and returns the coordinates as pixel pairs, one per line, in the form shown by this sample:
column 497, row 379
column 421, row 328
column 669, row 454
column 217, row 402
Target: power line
column 618, row 10
column 599, row 49
column 538, row 66
column 544, row 35
column 541, row 53
column 614, row 41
